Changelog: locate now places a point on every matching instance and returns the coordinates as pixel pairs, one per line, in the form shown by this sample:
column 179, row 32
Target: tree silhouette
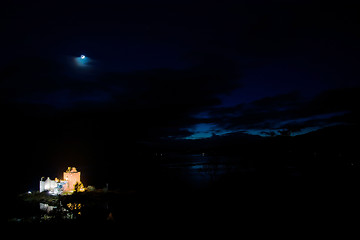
column 78, row 186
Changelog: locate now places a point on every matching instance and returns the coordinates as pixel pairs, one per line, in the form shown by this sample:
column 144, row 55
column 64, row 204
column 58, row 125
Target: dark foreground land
column 268, row 202
column 276, row 181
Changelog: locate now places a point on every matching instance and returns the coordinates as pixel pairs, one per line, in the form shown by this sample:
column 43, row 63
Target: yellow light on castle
column 72, row 176
column 69, row 183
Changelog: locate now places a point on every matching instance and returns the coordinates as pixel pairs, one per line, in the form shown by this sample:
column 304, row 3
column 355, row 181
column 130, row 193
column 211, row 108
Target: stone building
column 47, row 185
column 70, row 177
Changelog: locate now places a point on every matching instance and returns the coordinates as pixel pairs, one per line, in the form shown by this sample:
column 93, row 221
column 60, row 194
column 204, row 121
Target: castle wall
column 48, row 185
column 53, row 185
column 42, row 186
column 72, row 178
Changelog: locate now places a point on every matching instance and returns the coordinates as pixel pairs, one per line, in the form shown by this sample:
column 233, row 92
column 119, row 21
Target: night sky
column 175, row 69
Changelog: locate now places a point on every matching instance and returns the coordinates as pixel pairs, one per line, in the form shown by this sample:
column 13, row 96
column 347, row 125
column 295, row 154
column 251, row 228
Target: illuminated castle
column 71, row 177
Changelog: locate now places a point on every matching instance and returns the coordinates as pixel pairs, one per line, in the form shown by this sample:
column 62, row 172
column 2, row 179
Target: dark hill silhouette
column 327, row 152
column 341, row 136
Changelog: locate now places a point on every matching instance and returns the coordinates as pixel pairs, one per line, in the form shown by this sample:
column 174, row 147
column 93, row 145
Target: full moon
column 82, row 56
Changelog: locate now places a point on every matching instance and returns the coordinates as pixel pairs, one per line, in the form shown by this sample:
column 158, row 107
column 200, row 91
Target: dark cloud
column 289, row 111
column 333, row 101
column 162, row 102
column 281, row 101
column 262, row 113
column 150, row 103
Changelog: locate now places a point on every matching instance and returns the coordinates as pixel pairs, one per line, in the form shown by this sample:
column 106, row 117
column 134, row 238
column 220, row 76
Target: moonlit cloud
column 82, row 61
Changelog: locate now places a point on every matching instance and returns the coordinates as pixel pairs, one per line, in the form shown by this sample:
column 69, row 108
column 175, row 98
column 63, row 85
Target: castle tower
column 42, row 185
column 48, row 184
column 72, row 176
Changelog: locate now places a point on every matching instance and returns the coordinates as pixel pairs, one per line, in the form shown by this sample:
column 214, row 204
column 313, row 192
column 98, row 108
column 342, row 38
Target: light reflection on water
column 66, row 212
column 46, row 207
column 200, row 170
